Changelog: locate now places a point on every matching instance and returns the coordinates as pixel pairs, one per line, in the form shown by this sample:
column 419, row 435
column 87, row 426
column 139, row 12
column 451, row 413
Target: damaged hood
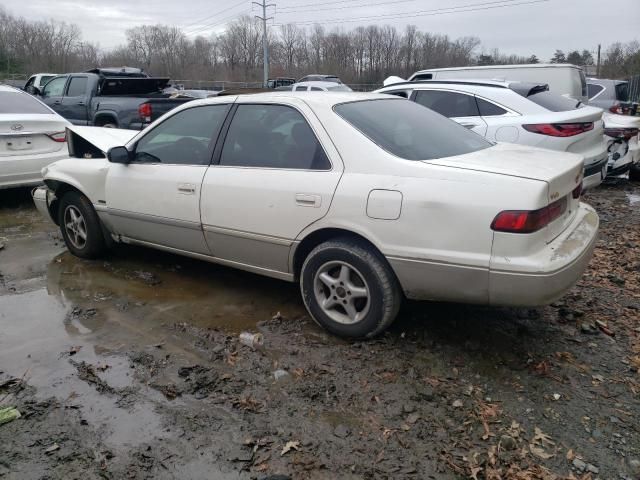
column 104, row 138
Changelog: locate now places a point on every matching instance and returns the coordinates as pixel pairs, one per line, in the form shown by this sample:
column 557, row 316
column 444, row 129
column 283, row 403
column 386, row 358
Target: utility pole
column 598, row 63
column 265, row 46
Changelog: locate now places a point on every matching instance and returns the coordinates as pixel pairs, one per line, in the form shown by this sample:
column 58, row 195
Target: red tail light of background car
column 559, row 129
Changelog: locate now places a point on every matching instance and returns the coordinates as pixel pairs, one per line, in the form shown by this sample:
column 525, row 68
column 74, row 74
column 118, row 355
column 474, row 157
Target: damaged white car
column 621, row 132
column 363, row 199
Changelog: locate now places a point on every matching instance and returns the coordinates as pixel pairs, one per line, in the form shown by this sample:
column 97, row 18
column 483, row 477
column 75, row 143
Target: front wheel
column 349, row 289
column 80, row 226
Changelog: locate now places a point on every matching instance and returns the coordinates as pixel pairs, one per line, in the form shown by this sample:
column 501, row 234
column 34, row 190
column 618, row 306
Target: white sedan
column 517, row 112
column 31, row 137
column 363, row 199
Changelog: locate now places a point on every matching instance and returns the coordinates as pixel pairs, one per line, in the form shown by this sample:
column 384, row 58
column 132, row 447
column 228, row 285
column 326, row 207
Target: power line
column 201, row 21
column 320, row 3
column 424, row 13
column 211, row 26
column 396, row 2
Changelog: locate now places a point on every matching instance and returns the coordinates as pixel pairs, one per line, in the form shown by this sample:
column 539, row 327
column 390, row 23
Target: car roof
column 320, row 99
column 314, row 83
column 8, row 88
column 522, row 88
column 498, row 67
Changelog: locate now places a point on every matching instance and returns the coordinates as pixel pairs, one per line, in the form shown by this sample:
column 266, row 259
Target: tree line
column 360, row 55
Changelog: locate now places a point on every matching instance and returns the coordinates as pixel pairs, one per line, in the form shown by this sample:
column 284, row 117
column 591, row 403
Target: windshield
column 11, row 102
column 553, row 102
column 409, row 130
column 622, row 92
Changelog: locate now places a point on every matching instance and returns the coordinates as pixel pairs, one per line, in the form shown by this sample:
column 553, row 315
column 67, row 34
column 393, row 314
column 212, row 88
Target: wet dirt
column 130, row 367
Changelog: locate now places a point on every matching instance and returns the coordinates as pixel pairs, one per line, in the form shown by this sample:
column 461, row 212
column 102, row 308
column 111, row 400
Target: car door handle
column 187, row 188
column 81, row 103
column 57, row 102
column 308, row 200
column 469, row 125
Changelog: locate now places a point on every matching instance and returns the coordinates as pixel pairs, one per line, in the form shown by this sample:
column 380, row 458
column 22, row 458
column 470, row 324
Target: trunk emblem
column 16, row 127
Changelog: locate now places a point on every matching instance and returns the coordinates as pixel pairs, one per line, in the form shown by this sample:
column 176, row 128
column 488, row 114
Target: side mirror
column 33, row 90
column 119, row 155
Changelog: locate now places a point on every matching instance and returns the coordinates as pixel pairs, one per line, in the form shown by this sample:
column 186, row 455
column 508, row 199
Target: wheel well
column 103, row 119
column 314, row 239
column 59, row 188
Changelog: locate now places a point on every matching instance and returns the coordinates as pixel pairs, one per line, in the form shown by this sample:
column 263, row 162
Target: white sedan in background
column 363, row 199
column 318, row 86
column 31, row 137
column 517, row 112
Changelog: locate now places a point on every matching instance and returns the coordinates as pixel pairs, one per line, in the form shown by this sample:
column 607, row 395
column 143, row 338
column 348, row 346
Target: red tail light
column 528, row 221
column 559, row 129
column 58, row 136
column 144, row 111
column 626, row 133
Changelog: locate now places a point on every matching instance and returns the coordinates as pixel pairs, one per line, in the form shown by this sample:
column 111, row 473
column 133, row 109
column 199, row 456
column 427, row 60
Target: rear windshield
column 622, row 92
column 409, row 130
column 553, row 102
column 11, row 102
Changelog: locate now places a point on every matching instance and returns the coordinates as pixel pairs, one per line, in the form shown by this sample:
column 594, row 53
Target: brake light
column 144, row 111
column 616, row 108
column 528, row 221
column 626, row 133
column 58, row 136
column 559, row 129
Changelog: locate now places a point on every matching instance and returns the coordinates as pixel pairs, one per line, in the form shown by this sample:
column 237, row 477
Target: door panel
column 251, row 215
column 52, row 93
column 274, row 178
column 146, row 202
column 75, row 101
column 156, row 198
column 475, row 124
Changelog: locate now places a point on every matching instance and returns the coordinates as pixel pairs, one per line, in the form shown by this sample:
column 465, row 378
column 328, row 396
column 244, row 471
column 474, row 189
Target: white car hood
column 104, row 138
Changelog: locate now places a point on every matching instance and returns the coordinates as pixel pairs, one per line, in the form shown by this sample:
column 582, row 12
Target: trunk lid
column 562, row 172
column 26, row 135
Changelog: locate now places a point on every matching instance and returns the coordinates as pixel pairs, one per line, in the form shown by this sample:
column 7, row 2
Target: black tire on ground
column 384, row 292
column 634, row 173
column 75, row 205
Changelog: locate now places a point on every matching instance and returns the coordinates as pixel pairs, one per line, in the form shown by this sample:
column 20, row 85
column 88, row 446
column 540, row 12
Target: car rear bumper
column 545, row 276
column 594, row 174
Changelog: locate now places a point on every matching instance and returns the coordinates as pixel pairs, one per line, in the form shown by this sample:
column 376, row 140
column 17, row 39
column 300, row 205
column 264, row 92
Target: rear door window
column 77, row 87
column 11, row 102
column 489, row 109
column 594, row 90
column 408, row 130
column 316, row 89
column 449, row 104
column 301, row 89
column 272, row 136
column 553, row 102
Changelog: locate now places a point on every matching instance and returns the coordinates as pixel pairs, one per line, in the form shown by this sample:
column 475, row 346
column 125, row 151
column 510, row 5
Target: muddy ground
column 130, row 367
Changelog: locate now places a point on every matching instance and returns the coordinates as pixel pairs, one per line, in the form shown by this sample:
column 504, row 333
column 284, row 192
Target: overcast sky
column 522, row 27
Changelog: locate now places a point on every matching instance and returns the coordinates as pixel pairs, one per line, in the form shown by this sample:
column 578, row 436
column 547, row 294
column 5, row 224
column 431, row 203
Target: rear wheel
column 634, row 173
column 349, row 289
column 80, row 226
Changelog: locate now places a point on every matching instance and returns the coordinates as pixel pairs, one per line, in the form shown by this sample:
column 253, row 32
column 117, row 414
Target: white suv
column 517, row 112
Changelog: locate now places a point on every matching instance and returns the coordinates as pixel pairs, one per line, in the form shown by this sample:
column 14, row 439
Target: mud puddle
column 130, row 367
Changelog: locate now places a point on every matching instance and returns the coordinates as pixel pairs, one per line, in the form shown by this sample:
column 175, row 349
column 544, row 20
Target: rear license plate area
column 19, row 143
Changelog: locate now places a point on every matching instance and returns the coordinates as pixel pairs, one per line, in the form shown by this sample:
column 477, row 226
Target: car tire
column 80, row 226
column 634, row 173
column 349, row 289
